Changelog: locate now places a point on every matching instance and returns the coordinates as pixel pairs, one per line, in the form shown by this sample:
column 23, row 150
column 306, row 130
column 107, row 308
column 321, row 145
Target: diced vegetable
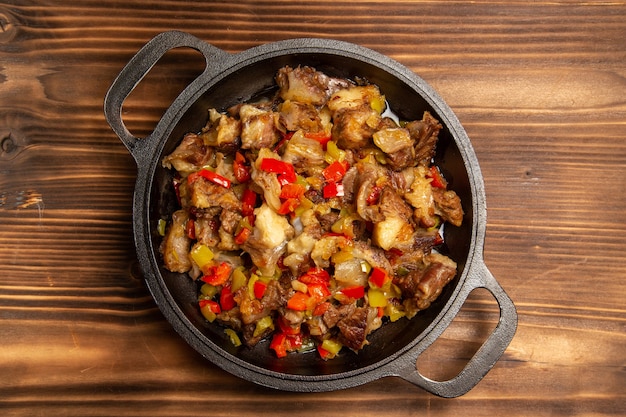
column 299, row 301
column 209, row 309
column 437, row 179
column 211, row 176
column 234, row 338
column 286, row 172
column 376, row 298
column 240, row 168
column 356, row 292
column 266, row 323
column 333, row 189
column 379, row 277
column 218, row 274
column 201, row 255
column 259, row 289
column 329, row 349
column 227, row 299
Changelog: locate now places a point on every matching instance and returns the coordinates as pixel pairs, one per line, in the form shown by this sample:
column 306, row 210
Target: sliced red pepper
column 324, row 354
column 437, row 179
column 315, row 276
column 356, row 291
column 209, row 175
column 299, row 301
column 259, row 289
column 286, row 172
column 176, row 183
column 227, row 299
column 218, row 274
column 288, row 206
column 279, row 344
column 321, row 308
column 322, row 137
column 319, row 292
column 190, row 229
column 335, row 171
column 293, row 341
column 292, row 191
column 240, row 168
column 286, row 138
column 242, row 236
column 287, row 328
column 333, row 189
column 212, row 305
column 248, row 201
column 373, row 196
column 378, row 277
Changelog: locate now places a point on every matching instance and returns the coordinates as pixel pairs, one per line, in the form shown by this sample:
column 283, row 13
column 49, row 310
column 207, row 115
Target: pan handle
column 139, row 66
column 488, row 354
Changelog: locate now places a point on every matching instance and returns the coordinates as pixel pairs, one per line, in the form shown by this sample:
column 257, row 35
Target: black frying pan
column 232, row 78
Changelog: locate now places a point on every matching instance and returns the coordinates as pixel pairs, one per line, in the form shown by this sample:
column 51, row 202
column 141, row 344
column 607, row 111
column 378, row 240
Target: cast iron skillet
column 229, row 79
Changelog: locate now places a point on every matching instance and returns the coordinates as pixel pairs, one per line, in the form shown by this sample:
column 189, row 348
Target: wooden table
column 540, row 88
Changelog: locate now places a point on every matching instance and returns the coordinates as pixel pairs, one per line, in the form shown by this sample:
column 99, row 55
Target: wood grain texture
column 539, row 88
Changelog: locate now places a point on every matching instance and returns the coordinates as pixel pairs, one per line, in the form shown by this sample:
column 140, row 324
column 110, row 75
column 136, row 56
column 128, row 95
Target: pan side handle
column 139, row 66
column 488, row 354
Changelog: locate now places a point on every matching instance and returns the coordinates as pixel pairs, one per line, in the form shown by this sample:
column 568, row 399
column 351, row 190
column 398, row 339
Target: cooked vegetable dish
column 310, row 217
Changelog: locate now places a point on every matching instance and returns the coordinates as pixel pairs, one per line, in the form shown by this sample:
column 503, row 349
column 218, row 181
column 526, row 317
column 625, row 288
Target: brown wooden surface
column 541, row 90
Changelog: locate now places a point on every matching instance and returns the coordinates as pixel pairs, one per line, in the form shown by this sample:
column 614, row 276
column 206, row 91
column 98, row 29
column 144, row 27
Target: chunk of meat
column 222, row 132
column 306, row 85
column 300, row 116
column 206, row 194
column 425, row 133
column 191, row 155
column 448, row 206
column 176, row 243
column 258, row 127
column 396, row 229
column 353, row 128
column 303, row 152
column 355, row 328
column 268, row 240
column 423, row 285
